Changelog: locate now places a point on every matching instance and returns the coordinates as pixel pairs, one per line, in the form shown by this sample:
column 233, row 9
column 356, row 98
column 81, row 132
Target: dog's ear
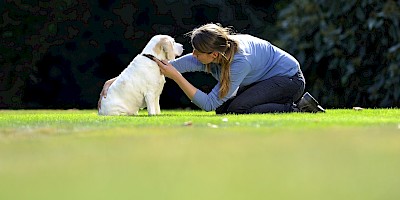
column 165, row 48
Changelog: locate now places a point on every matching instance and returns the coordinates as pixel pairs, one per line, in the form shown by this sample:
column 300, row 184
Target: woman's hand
column 103, row 92
column 167, row 69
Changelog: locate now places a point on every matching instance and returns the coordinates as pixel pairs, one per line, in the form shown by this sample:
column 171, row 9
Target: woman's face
column 205, row 58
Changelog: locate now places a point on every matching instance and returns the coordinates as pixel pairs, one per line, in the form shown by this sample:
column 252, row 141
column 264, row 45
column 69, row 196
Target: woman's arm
column 205, row 101
column 187, row 63
column 169, row 71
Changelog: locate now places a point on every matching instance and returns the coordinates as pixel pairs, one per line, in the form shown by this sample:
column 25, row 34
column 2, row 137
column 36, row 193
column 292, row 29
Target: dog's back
column 127, row 93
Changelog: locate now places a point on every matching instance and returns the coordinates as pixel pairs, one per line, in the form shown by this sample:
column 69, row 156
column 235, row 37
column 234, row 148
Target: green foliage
column 349, row 50
column 58, row 54
column 30, row 31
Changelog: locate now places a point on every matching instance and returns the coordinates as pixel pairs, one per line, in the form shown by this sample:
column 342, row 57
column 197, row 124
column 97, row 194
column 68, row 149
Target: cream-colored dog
column 141, row 83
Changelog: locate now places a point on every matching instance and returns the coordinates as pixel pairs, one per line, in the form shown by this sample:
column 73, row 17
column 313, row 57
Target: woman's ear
column 214, row 54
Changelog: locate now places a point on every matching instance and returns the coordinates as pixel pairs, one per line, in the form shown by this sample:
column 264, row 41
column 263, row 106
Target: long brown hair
column 213, row 37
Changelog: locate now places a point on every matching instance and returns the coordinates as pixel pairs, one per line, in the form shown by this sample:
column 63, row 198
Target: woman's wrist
column 176, row 76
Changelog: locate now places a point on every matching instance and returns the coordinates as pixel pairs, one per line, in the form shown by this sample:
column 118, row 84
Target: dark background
column 58, row 54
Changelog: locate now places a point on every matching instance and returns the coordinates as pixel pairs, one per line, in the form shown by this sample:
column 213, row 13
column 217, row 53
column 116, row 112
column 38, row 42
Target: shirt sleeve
column 211, row 101
column 187, row 63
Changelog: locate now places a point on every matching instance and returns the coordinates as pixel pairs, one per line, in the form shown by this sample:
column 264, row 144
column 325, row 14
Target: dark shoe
column 307, row 103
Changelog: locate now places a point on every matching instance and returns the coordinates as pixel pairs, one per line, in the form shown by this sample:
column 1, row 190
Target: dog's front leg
column 150, row 103
column 157, row 104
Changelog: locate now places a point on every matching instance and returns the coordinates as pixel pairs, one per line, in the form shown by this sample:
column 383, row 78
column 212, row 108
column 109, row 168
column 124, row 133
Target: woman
column 253, row 75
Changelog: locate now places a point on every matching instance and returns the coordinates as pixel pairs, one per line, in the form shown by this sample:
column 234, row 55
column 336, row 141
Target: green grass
column 76, row 154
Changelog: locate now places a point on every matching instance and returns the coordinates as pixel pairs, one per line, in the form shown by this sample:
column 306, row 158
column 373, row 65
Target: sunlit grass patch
column 76, row 154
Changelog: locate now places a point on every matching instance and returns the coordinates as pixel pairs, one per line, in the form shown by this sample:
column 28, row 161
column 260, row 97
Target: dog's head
column 163, row 47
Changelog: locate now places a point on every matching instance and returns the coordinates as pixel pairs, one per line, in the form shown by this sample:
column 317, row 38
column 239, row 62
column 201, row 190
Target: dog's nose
column 178, row 49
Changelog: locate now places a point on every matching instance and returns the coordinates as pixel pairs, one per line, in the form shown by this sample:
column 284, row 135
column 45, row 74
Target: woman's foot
column 307, row 103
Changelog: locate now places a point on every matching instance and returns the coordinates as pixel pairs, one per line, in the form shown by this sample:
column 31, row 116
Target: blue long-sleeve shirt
column 256, row 60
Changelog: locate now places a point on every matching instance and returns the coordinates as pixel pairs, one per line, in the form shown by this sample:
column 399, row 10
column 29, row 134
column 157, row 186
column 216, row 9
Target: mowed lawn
column 196, row 155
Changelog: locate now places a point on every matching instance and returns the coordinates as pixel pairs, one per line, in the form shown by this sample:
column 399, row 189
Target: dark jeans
column 276, row 94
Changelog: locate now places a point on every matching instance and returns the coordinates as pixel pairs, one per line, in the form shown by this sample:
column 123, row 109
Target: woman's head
column 211, row 43
column 209, row 38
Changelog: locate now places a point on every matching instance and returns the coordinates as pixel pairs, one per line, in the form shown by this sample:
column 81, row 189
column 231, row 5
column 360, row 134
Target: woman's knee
column 237, row 108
